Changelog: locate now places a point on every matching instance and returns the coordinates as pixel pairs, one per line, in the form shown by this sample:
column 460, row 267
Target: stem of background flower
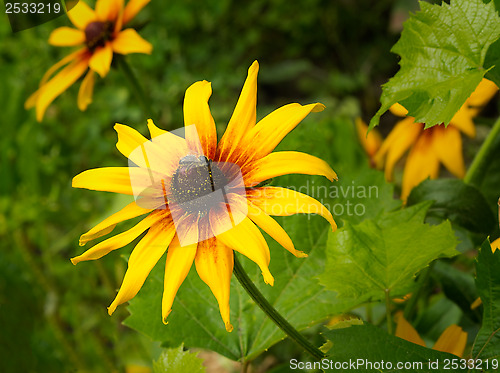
column 388, row 315
column 479, row 165
column 136, row 87
column 271, row 312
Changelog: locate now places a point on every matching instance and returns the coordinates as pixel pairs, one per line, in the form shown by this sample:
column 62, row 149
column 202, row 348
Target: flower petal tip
column 111, row 309
column 318, row 107
column 268, row 278
column 301, row 254
column 164, row 318
column 75, row 260
column 229, row 327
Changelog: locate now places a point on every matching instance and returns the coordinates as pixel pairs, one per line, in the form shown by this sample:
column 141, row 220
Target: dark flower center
column 97, row 33
column 196, row 177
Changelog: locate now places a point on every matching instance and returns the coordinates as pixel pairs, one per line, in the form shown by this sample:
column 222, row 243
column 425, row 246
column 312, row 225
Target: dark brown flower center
column 196, row 177
column 97, row 33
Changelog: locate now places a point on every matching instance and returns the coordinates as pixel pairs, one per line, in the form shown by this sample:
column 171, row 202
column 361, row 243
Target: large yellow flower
column 171, row 176
column 101, row 34
column 433, row 146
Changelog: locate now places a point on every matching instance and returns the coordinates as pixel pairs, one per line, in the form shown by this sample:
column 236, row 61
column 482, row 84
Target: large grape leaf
column 443, row 51
column 384, row 254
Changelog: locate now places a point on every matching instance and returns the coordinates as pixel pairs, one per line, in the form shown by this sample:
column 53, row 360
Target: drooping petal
column 179, row 261
column 398, row 109
column 247, row 240
column 453, row 340
column 284, row 202
column 214, row 264
column 79, row 54
column 243, row 118
column 132, row 210
column 66, row 37
column 197, row 112
column 142, row 260
column 288, row 162
column 406, row 331
column 108, row 10
column 107, row 179
column 447, row 144
column 485, row 90
column 370, row 142
column 132, row 8
column 85, row 91
column 81, row 15
column 463, row 121
column 100, row 61
column 422, row 163
column 129, row 41
column 118, row 241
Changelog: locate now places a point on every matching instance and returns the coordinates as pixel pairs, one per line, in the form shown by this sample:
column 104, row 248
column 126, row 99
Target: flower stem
column 135, row 87
column 271, row 312
column 480, row 164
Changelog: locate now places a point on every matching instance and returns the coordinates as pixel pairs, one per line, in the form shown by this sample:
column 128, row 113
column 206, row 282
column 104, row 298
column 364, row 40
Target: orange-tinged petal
column 406, row 331
column 447, row 144
column 85, row 91
column 399, row 110
column 108, row 10
column 118, row 241
column 129, row 41
column 81, row 15
column 284, row 202
column 247, row 240
column 132, row 8
column 370, row 142
column 66, row 37
column 288, row 162
column 107, row 179
column 142, row 260
column 453, row 340
column 495, row 245
column 214, row 264
column 272, row 228
column 197, row 112
column 100, row 61
column 422, row 163
column 132, row 210
column 179, row 261
column 243, row 118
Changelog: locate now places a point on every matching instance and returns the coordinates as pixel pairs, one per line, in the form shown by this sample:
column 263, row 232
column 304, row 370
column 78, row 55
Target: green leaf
column 368, row 259
column 461, row 203
column 176, row 360
column 367, row 344
column 487, row 343
column 443, row 50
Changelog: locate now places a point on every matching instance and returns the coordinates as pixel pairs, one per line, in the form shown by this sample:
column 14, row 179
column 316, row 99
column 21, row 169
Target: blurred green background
column 53, row 315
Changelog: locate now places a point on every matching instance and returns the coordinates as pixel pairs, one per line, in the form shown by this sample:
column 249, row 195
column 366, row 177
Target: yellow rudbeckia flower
column 101, row 34
column 433, row 146
column 185, row 174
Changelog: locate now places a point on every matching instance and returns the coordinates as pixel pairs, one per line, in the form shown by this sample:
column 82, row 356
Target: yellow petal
column 130, row 211
column 154, row 130
column 477, row 302
column 284, row 163
column 179, row 261
column 128, row 140
column 463, row 121
column 142, row 260
column 422, row 163
column 81, row 15
column 108, row 10
column 243, row 118
column 447, row 144
column 482, row 94
column 132, row 8
column 129, row 41
column 197, row 112
column 79, row 54
column 272, row 228
column 371, row 143
column 116, row 242
column 495, row 245
column 406, row 331
column 214, row 264
column 453, row 340
column 247, row 240
column 284, row 202
column 107, row 179
column 399, row 110
column 85, row 91
column 66, row 37
column 100, row 61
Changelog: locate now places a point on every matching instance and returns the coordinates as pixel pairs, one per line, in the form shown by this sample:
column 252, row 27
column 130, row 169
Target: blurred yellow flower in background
column 101, row 34
column 370, row 141
column 433, row 146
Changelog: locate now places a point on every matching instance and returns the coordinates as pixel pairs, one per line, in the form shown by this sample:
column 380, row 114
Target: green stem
column 271, row 312
column 411, row 306
column 388, row 315
column 135, row 87
column 480, row 164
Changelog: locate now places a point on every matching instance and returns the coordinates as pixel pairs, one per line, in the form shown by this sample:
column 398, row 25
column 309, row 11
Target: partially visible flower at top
column 433, row 146
column 371, row 143
column 101, row 34
column 452, row 340
column 189, row 171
